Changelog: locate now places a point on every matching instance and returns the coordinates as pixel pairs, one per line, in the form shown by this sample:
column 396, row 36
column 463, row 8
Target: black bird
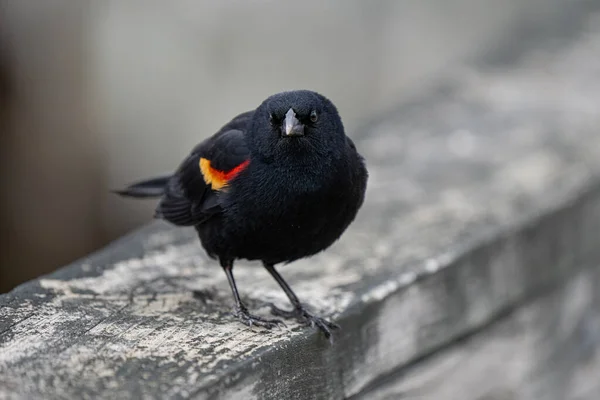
column 276, row 184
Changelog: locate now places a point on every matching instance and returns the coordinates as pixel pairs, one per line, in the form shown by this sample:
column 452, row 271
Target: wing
column 192, row 194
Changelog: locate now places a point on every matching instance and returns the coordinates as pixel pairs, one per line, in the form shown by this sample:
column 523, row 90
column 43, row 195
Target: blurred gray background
column 95, row 94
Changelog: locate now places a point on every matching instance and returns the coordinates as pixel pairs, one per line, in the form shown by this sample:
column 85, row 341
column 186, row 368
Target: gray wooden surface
column 546, row 349
column 484, row 202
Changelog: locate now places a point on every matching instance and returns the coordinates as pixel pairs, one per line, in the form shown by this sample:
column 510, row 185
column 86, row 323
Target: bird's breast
column 282, row 219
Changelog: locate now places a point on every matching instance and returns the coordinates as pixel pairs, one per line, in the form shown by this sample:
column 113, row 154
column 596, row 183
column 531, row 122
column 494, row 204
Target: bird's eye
column 313, row 116
column 274, row 119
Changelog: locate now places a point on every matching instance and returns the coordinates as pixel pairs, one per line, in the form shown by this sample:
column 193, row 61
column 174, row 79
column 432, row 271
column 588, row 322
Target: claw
column 306, row 318
column 249, row 320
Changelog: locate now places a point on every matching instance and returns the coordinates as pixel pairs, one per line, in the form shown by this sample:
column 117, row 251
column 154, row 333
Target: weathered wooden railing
column 472, row 272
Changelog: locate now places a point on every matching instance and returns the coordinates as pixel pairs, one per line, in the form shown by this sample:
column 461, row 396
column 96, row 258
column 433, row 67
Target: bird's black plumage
column 276, row 184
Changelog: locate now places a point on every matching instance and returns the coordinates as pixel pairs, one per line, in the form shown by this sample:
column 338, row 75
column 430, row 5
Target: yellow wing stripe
column 218, row 179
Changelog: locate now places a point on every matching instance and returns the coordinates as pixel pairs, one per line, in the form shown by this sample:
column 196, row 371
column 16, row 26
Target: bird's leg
column 241, row 311
column 299, row 312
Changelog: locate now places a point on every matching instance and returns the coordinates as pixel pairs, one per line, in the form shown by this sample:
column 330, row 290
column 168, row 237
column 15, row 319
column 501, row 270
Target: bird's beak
column 291, row 125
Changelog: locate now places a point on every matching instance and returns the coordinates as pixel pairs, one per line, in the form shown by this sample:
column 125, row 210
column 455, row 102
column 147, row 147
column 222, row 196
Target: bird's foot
column 252, row 320
column 306, row 318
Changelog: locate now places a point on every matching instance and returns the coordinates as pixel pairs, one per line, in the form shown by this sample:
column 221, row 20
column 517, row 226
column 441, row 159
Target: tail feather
column 154, row 187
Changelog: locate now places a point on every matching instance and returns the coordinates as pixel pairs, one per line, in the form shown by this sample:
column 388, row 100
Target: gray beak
column 291, row 125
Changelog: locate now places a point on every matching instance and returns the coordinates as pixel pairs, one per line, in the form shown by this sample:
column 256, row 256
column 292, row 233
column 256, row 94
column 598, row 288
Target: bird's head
column 295, row 126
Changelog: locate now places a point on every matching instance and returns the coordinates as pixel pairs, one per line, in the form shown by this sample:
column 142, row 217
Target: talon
column 249, row 320
column 283, row 313
column 306, row 318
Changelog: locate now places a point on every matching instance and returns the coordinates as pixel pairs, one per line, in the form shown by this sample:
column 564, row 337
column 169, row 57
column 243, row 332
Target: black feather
column 292, row 197
column 154, row 187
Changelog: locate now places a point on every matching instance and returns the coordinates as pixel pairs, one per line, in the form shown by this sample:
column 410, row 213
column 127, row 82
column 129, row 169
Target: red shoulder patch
column 218, row 179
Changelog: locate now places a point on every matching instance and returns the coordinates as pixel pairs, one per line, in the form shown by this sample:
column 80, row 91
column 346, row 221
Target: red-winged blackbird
column 276, row 184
